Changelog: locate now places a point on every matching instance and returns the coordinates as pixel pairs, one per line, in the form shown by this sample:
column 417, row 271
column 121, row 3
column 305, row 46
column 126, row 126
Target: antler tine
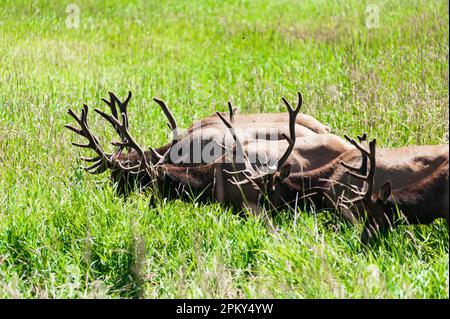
column 372, row 168
column 135, row 169
column 82, row 120
column 250, row 174
column 369, row 178
column 90, row 159
column 362, row 170
column 92, row 169
column 351, row 169
column 122, row 105
column 125, row 103
column 239, row 183
column 74, row 129
column 128, row 141
column 111, row 104
column 125, row 120
column 172, row 123
column 299, row 103
column 239, row 148
column 356, row 144
column 292, row 122
column 102, row 161
column 111, row 119
column 362, row 138
column 231, row 111
column 114, row 101
column 156, row 154
column 366, row 154
column 72, row 113
column 287, row 153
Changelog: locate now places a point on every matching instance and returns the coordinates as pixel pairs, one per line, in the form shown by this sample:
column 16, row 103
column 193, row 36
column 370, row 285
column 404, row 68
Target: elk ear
column 284, row 172
column 385, row 191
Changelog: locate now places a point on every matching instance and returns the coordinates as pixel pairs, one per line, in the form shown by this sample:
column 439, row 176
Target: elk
column 418, row 173
column 301, row 154
column 117, row 161
column 205, row 181
column 420, row 202
column 200, row 133
column 211, row 181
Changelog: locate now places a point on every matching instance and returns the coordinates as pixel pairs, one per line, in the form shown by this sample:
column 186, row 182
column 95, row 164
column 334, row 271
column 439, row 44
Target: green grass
column 63, row 233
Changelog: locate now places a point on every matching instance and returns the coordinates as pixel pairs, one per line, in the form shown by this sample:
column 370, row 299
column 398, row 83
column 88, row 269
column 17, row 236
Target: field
column 65, row 234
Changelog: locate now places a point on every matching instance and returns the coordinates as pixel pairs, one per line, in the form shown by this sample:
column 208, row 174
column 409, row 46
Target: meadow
column 65, row 234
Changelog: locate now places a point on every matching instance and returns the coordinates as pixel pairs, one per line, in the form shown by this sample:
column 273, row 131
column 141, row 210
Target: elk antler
column 232, row 111
column 360, row 173
column 127, row 141
column 249, row 172
column 239, row 148
column 292, row 121
column 101, row 162
column 363, row 168
column 122, row 107
column 172, row 124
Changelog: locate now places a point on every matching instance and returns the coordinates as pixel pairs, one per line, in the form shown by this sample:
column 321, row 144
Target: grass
column 64, row 234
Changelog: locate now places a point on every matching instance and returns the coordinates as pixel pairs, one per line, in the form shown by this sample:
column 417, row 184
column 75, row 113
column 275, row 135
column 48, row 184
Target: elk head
column 380, row 213
column 102, row 161
column 377, row 204
column 265, row 177
column 126, row 168
column 420, row 202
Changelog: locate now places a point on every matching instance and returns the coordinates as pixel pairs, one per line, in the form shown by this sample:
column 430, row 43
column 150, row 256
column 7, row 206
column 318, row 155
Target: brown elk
column 122, row 164
column 300, row 153
column 205, row 181
column 209, row 181
column 417, row 174
column 420, row 202
column 318, row 169
column 212, row 181
column 200, row 133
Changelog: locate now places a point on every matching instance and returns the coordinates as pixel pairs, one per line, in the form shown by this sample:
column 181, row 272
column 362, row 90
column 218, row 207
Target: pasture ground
column 63, row 233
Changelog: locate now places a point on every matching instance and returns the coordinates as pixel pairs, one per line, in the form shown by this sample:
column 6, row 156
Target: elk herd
column 269, row 162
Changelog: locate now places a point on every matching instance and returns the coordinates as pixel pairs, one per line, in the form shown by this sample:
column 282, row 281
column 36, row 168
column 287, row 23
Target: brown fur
column 402, row 166
column 420, row 202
